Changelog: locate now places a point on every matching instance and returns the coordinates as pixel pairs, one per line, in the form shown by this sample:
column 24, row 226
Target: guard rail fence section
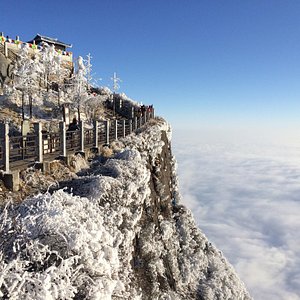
column 39, row 146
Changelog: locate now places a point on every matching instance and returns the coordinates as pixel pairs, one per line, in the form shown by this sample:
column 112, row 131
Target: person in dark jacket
column 73, row 126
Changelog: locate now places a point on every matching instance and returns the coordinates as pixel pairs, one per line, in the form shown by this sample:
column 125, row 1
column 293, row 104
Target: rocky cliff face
column 118, row 231
column 5, row 69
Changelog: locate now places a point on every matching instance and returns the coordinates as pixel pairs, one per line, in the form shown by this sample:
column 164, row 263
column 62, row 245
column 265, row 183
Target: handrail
column 51, row 143
column 34, row 146
column 22, row 147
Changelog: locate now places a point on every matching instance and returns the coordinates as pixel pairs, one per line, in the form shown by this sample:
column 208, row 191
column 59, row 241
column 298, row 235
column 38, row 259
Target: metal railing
column 101, row 133
column 36, row 146
column 73, row 141
column 51, row 143
column 112, row 131
column 128, row 126
column 89, row 138
column 22, row 147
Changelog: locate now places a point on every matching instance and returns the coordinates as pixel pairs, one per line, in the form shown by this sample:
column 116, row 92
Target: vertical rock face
column 182, row 263
column 5, row 69
column 121, row 233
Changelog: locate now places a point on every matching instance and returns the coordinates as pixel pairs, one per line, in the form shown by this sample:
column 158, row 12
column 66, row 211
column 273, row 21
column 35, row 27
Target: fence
column 39, row 145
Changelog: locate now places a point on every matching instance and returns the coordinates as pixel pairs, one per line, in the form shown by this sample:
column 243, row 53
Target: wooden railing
column 22, row 147
column 40, row 145
column 51, row 143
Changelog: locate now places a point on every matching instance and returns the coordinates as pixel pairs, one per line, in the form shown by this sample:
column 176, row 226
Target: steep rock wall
column 118, row 232
column 5, row 69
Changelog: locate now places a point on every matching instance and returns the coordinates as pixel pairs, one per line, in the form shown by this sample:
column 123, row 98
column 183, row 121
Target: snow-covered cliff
column 118, row 232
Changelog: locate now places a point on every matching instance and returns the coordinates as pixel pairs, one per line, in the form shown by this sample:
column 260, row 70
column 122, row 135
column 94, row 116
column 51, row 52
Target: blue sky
column 201, row 63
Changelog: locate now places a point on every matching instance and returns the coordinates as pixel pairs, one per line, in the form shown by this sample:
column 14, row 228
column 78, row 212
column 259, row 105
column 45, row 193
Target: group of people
column 138, row 112
column 142, row 110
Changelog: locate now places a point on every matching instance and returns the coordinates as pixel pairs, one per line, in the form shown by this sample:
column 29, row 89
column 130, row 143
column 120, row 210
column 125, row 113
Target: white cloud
column 246, row 199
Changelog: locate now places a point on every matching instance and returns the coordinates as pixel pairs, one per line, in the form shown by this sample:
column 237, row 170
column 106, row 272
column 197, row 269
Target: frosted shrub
column 78, row 163
column 106, row 152
column 61, row 242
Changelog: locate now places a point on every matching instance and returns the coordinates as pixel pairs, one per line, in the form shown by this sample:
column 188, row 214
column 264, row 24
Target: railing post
column 145, row 117
column 118, row 106
column 96, row 134
column 140, row 121
column 63, row 139
column 39, row 141
column 132, row 113
column 135, row 123
column 130, row 126
column 107, row 132
column 81, row 127
column 4, row 131
column 124, row 127
column 116, row 130
column 66, row 113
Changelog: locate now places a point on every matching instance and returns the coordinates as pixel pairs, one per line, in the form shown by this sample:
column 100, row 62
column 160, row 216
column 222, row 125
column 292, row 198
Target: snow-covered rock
column 120, row 234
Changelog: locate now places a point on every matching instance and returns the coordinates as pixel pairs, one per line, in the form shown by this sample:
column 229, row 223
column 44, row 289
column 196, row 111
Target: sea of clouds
column 245, row 196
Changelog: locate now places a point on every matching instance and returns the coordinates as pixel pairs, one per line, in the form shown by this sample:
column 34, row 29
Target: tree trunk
column 58, row 94
column 30, row 106
column 23, row 100
column 78, row 111
column 47, row 83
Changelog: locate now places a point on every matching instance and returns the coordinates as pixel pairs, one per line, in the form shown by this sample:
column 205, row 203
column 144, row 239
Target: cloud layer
column 246, row 199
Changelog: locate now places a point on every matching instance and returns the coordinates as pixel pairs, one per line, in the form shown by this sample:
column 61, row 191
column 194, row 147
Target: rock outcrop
column 118, row 232
column 5, row 69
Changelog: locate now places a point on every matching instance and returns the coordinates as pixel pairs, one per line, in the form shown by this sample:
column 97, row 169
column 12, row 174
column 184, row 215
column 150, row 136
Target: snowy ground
column 245, row 198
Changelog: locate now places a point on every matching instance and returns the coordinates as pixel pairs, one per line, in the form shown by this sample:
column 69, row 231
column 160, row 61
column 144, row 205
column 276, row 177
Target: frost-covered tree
column 81, row 89
column 115, row 81
column 54, row 71
column 27, row 72
column 94, row 106
column 92, row 81
column 49, row 62
column 79, row 85
column 88, row 66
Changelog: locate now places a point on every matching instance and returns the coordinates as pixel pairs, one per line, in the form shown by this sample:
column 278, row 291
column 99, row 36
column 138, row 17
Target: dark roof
column 47, row 39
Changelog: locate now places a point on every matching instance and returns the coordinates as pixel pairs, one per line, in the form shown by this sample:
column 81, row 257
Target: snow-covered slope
column 120, row 234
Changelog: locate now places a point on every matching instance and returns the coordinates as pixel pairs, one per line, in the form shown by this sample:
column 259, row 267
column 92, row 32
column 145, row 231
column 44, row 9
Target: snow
column 107, row 243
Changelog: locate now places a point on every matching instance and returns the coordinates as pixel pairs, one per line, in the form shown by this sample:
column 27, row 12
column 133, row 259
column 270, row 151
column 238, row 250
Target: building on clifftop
column 59, row 46
column 10, row 47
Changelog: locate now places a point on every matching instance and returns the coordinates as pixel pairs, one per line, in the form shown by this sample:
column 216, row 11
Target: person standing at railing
column 137, row 112
column 74, row 125
column 71, row 134
column 143, row 110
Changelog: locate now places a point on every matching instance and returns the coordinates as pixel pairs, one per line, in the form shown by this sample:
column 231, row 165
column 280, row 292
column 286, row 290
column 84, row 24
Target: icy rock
column 126, row 238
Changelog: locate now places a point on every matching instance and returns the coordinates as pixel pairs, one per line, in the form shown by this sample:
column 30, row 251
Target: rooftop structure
column 10, row 47
column 40, row 39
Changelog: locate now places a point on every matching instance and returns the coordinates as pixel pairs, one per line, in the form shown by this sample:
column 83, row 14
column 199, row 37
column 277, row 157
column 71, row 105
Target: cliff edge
column 116, row 232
